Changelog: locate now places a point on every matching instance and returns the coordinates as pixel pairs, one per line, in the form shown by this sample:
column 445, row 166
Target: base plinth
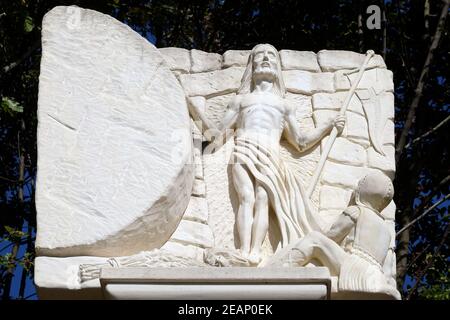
column 216, row 283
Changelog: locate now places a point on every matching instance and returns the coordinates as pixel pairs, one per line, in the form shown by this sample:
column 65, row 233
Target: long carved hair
column 247, row 83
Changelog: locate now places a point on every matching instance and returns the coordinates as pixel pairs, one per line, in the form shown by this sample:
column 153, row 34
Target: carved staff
column 334, row 132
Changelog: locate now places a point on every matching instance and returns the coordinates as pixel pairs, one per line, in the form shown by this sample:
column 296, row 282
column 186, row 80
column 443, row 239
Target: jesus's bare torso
column 261, row 118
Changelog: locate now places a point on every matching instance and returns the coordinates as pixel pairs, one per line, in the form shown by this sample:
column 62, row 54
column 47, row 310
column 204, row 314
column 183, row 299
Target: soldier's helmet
column 375, row 190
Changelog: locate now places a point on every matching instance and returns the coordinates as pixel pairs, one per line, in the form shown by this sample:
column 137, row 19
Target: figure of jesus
column 260, row 115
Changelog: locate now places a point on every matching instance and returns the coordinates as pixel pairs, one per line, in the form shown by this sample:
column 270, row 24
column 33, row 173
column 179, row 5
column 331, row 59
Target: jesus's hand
column 339, row 123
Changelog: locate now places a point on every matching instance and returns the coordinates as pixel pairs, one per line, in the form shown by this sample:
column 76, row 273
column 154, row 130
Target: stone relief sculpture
column 295, row 173
column 259, row 112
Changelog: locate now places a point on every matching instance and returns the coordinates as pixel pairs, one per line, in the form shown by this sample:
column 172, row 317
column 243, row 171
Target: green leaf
column 14, row 235
column 28, row 24
column 8, row 104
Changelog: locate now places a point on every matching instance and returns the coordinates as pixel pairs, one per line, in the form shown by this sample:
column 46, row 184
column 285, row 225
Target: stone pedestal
column 216, row 283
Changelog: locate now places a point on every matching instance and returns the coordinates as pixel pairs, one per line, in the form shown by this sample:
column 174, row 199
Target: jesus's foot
column 254, row 258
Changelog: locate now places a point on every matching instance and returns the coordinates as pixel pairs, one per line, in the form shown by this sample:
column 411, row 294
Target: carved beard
column 265, row 74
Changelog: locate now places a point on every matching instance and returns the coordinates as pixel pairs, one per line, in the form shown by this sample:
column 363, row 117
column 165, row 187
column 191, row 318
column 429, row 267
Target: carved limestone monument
column 167, row 173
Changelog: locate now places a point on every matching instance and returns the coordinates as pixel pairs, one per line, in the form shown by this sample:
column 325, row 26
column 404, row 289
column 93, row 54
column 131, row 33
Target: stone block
column 235, row 58
column 341, row 81
column 383, row 163
column 308, row 83
column 332, row 60
column 108, row 184
column 346, row 152
column 343, row 176
column 355, row 130
column 213, row 83
column 178, row 59
column 387, row 102
column 217, row 106
column 204, row 61
column 193, row 233
column 199, row 170
column 357, row 127
column 334, row 198
column 389, row 133
column 199, row 188
column 378, row 79
column 389, row 212
column 301, row 103
column 334, row 101
column 197, row 210
column 299, row 60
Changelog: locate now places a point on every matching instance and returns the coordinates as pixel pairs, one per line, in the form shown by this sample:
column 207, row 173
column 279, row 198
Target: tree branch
column 26, row 55
column 418, row 256
column 430, row 196
column 9, row 180
column 426, row 134
column 423, row 214
column 430, row 263
column 419, row 89
column 20, row 196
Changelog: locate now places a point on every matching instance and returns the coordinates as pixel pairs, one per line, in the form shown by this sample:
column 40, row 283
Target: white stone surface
column 329, row 216
column 216, row 283
column 221, row 197
column 197, row 210
column 305, row 82
column 389, row 211
column 332, row 60
column 334, row 101
column 389, row 133
column 379, row 79
column 194, row 291
column 299, row 60
column 347, row 152
column 384, row 163
column 199, row 170
column 199, row 188
column 235, row 58
column 334, row 198
column 57, row 278
column 341, row 175
column 178, row 59
column 356, row 129
column 187, row 250
column 212, row 83
column 205, row 61
column 195, row 233
column 112, row 120
column 216, row 107
column 301, row 103
column 341, row 80
column 387, row 102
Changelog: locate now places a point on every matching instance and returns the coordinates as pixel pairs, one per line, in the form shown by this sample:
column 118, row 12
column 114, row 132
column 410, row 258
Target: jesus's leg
column 243, row 185
column 260, row 223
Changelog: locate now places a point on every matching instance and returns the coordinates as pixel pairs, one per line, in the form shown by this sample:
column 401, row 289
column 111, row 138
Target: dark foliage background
column 405, row 40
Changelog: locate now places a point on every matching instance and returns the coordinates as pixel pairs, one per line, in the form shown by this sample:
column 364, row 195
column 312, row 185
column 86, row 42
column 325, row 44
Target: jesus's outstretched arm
column 305, row 140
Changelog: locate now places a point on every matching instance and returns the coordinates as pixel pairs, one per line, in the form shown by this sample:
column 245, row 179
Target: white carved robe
column 287, row 197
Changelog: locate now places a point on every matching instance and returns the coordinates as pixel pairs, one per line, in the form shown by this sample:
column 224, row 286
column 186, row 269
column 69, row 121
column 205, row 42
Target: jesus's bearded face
column 265, row 62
